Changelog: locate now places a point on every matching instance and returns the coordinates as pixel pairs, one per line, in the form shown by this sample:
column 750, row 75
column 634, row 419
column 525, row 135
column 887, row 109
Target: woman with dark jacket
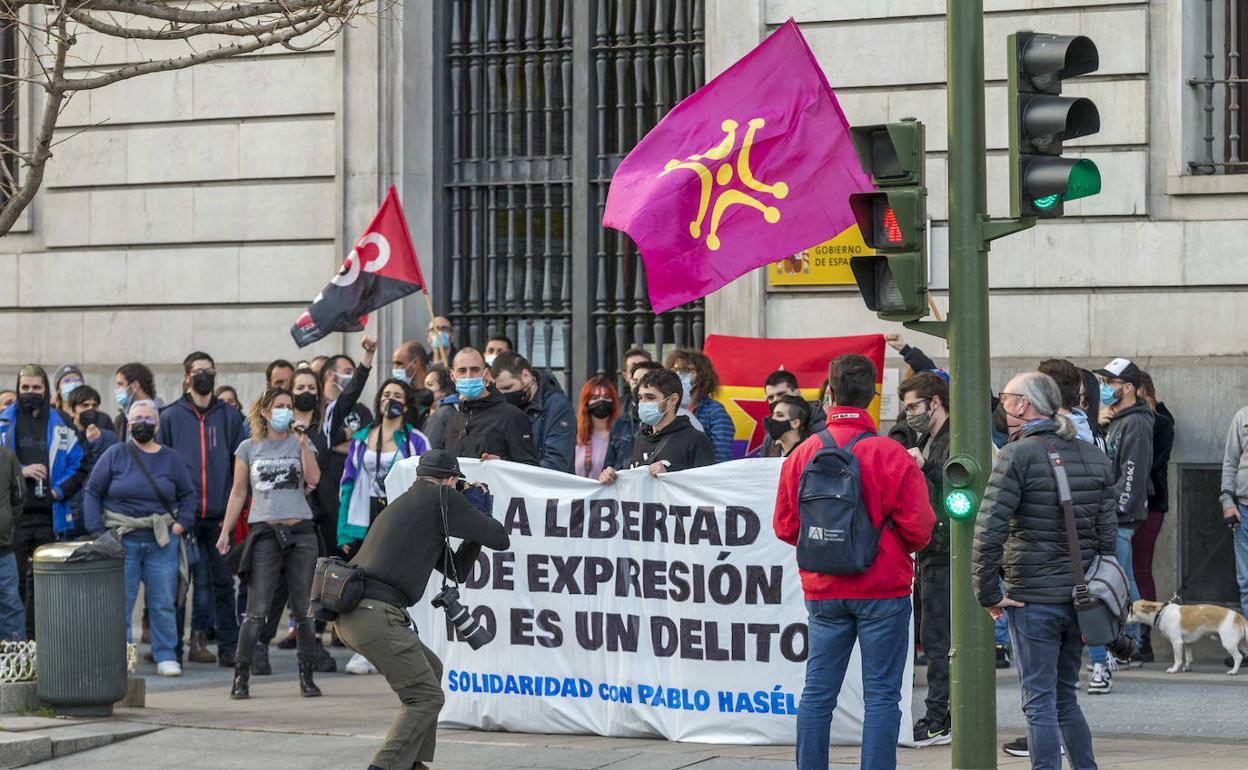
column 1021, row 532
column 1144, row 541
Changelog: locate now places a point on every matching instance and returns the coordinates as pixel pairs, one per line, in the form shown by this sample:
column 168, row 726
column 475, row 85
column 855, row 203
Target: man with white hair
column 1021, row 533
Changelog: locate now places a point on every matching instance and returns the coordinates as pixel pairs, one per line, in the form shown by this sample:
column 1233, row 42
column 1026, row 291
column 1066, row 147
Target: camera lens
column 476, row 635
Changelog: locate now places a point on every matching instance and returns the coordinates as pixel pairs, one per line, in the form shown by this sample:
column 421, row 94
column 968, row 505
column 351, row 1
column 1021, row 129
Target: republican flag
column 755, row 166
column 381, row 268
column 742, row 364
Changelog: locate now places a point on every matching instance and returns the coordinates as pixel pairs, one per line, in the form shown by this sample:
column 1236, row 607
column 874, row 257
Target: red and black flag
column 381, row 268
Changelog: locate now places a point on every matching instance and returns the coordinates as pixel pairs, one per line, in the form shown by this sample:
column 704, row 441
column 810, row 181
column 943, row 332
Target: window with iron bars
column 9, row 85
column 1219, row 35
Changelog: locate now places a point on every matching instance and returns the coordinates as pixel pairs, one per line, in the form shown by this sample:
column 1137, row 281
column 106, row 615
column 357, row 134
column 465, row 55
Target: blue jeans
column 1241, row 559
column 1098, row 654
column 1047, row 652
column 882, row 629
column 12, row 612
column 158, row 569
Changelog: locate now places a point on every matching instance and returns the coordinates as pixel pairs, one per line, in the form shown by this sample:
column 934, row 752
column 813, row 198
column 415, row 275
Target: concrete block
column 288, row 148
column 17, row 698
column 136, row 693
column 285, row 85
column 140, row 215
column 1189, row 323
column 265, row 211
column 253, row 335
column 192, row 152
column 162, row 96
column 152, row 336
column 285, row 273
column 63, row 217
column 93, row 735
column 181, row 276
column 8, row 280
column 1211, row 253
column 92, row 157
column 49, row 335
column 22, row 749
column 1039, row 325
column 60, row 278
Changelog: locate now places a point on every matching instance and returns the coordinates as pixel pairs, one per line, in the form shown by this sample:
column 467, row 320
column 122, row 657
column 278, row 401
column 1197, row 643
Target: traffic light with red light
column 892, row 219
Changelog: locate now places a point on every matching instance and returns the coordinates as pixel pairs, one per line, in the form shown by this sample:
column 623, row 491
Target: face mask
column 489, row 360
column 649, row 412
column 920, row 422
column 776, row 428
column 88, row 417
column 470, row 387
column 441, row 339
column 202, row 382
column 686, row 380
column 143, row 432
column 122, row 396
column 67, row 388
column 394, row 409
column 401, row 376
column 516, row 398
column 305, row 401
column 999, row 423
column 341, row 379
column 29, row 402
column 1109, row 395
column 600, row 409
column 281, row 419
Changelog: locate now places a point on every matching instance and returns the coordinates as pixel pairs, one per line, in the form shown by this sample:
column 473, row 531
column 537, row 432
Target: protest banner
column 646, row 608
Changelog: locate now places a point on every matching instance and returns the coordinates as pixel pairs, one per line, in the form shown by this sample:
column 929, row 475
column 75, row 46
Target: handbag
column 1101, row 598
column 337, row 588
column 190, row 546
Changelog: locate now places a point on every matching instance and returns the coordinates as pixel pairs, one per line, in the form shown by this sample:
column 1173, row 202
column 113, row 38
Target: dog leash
column 1178, row 594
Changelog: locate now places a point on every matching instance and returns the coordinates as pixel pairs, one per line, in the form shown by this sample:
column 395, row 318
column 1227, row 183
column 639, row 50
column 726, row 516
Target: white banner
column 648, row 608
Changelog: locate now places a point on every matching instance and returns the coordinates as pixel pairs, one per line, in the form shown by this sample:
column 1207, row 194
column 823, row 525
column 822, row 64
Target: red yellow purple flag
column 742, row 364
column 755, row 166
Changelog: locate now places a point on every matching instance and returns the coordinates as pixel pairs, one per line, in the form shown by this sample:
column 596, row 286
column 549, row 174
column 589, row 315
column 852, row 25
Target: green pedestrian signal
column 1041, row 180
column 964, row 484
column 959, row 503
column 892, row 219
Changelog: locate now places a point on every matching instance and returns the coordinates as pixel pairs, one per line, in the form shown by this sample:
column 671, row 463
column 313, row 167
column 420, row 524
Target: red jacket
column 891, row 484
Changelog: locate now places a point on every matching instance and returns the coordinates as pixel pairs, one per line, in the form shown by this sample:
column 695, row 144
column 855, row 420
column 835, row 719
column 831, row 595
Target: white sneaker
column 360, row 665
column 1101, row 682
column 168, row 668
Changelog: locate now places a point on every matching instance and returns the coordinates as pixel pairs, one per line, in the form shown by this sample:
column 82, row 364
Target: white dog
column 1183, row 624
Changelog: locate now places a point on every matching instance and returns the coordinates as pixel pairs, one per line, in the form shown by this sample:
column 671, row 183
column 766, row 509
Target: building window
column 9, row 85
column 515, row 114
column 1218, row 35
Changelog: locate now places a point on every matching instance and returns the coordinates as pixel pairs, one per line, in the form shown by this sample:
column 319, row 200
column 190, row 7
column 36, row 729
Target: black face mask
column 88, row 417
column 143, row 432
column 305, row 401
column 776, row 428
column 600, row 409
column 516, row 398
column 202, row 382
column 394, row 409
column 30, row 402
column 999, row 423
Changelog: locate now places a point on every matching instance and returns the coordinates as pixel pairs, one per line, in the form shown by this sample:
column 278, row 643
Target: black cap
column 438, row 464
column 1121, row 369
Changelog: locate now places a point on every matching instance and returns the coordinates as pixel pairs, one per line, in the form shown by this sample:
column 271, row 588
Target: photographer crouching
column 403, row 546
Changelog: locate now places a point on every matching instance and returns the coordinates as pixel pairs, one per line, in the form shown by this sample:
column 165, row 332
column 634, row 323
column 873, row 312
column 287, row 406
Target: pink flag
column 755, row 166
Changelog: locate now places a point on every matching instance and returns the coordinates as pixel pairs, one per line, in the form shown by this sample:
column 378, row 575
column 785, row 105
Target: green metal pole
column 973, row 693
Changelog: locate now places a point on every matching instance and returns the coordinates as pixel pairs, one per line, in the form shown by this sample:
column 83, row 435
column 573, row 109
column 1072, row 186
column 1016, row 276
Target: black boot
column 260, row 665
column 242, row 679
column 307, row 688
column 325, row 663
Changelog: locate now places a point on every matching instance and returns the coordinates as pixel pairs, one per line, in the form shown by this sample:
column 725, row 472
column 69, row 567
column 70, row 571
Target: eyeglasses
column 142, row 420
column 210, row 372
column 913, row 406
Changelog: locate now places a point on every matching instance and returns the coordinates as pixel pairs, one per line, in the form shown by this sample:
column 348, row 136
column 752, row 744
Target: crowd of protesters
column 211, row 486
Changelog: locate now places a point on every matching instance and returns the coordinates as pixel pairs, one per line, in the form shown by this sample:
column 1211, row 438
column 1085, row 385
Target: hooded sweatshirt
column 206, row 440
column 678, row 443
column 554, row 425
column 492, row 426
column 1129, row 444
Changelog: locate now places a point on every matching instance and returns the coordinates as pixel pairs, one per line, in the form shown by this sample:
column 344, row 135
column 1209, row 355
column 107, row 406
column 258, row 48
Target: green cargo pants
column 383, row 633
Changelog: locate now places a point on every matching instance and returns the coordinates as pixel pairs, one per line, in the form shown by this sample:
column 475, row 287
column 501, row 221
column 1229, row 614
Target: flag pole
column 439, row 352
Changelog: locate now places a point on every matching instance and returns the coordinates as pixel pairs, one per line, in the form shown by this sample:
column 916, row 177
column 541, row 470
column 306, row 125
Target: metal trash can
column 80, row 631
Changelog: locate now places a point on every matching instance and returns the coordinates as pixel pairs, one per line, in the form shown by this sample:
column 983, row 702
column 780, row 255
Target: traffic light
column 1041, row 119
column 964, row 486
column 892, row 219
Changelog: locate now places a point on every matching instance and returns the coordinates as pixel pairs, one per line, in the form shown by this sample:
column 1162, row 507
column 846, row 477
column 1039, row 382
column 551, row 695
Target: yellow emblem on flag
column 728, row 196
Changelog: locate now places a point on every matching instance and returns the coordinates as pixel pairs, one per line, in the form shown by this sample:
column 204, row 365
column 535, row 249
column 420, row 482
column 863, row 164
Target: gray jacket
column 12, row 495
column 1021, row 529
column 1129, row 444
column 1235, row 461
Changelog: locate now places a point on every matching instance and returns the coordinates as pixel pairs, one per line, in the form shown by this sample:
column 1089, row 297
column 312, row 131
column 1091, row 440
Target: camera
column 1123, row 648
column 473, row 632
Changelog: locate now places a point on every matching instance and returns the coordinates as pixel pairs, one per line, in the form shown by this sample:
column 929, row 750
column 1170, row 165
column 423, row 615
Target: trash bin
column 80, row 631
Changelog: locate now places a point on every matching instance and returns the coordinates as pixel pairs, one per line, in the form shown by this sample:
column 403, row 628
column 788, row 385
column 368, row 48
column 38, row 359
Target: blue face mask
column 1108, row 397
column 470, row 387
column 67, row 388
column 401, row 376
column 649, row 412
column 281, row 419
column 686, row 380
column 441, row 339
column 122, row 395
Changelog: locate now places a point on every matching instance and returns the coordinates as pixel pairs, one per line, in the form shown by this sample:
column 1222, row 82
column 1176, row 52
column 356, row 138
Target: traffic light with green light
column 1041, row 180
column 964, row 486
column 892, row 219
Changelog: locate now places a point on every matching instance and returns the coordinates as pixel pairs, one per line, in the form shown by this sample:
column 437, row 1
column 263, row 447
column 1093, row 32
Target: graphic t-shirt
column 276, row 479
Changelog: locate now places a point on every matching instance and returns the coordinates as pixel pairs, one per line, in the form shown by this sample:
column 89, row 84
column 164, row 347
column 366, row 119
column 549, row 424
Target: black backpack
column 836, row 536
